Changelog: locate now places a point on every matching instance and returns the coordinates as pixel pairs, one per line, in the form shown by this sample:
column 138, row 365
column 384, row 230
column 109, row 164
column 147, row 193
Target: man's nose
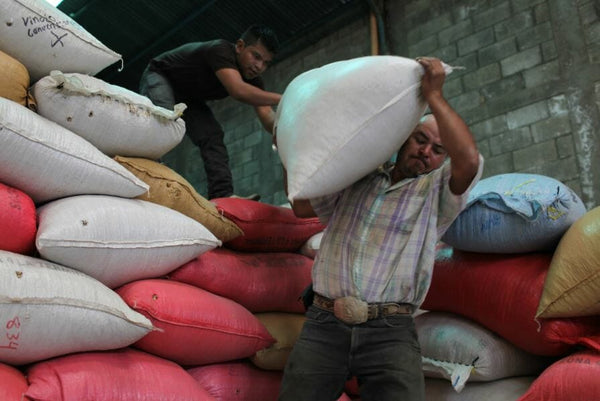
column 425, row 149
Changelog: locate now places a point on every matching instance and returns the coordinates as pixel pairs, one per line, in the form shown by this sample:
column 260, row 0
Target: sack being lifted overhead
column 339, row 122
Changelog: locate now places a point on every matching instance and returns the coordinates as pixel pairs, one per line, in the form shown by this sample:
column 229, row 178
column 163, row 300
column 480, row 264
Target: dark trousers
column 201, row 127
column 384, row 354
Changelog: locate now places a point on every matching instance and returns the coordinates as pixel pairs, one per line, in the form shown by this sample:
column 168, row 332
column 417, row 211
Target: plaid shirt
column 379, row 244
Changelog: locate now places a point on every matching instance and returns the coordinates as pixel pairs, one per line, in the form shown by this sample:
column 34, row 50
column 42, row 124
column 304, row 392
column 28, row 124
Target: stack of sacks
column 572, row 292
column 494, row 275
column 232, row 315
column 59, row 168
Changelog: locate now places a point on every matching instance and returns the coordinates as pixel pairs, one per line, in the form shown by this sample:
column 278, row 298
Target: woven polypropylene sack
column 498, row 390
column 115, row 120
column 14, row 80
column 48, row 310
column 501, row 292
column 13, row 383
column 44, row 38
column 238, row 380
column 259, row 281
column 515, row 213
column 285, row 328
column 195, row 326
column 18, row 221
column 170, row 189
column 47, row 161
column 572, row 286
column 337, row 123
column 573, row 378
column 267, row 228
column 462, row 351
column 118, row 240
column 120, row 375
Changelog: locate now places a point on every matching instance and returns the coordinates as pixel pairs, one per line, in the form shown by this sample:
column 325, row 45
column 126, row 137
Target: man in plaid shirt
column 375, row 261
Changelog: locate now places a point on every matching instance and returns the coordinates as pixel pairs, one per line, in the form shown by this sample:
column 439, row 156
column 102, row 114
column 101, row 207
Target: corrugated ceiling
column 140, row 29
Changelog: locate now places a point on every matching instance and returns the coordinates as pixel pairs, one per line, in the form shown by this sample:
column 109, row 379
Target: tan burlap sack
column 14, row 80
column 285, row 328
column 572, row 286
column 168, row 188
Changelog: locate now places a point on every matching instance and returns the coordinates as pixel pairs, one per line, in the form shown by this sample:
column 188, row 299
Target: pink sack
column 18, row 221
column 238, row 381
column 195, row 327
column 13, row 383
column 267, row 228
column 261, row 282
column 573, row 378
column 122, row 375
column 501, row 292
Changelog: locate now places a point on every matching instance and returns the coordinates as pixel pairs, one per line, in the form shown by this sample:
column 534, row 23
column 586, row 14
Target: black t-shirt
column 191, row 68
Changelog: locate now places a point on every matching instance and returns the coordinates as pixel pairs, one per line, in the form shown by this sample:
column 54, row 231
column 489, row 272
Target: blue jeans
column 384, row 355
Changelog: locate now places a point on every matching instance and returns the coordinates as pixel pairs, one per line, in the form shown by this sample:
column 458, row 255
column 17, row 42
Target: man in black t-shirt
column 201, row 71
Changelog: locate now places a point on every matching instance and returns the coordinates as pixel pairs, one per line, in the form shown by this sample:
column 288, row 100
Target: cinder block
column 455, row 32
column 497, row 51
column 535, row 35
column 516, row 23
column 476, row 41
column 521, row 61
column 482, row 76
column 535, row 156
column 489, row 127
column 551, row 128
column 491, row 16
column 510, row 140
column 542, row 74
column 527, row 115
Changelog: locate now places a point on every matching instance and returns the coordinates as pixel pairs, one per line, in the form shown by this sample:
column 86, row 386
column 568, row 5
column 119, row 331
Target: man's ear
column 239, row 46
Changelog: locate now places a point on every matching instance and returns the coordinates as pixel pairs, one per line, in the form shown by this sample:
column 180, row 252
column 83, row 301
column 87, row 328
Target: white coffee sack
column 337, row 123
column 44, row 38
column 48, row 310
column 47, row 161
column 118, row 240
column 117, row 121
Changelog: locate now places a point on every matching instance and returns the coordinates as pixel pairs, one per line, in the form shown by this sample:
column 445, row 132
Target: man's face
column 252, row 59
column 422, row 152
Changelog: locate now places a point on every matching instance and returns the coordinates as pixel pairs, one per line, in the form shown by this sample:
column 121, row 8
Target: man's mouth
column 422, row 162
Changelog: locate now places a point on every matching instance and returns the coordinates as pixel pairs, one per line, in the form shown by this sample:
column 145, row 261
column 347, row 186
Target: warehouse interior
column 120, row 279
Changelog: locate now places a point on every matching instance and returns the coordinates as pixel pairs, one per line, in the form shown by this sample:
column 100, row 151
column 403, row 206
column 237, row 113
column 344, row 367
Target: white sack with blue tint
column 337, row 123
column 515, row 213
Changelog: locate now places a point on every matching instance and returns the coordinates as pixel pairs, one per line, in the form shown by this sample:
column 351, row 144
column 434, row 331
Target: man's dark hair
column 263, row 33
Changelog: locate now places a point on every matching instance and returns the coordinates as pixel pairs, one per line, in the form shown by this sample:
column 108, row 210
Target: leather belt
column 373, row 310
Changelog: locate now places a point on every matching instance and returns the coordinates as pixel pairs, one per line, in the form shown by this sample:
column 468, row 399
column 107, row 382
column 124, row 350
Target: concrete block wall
column 528, row 86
